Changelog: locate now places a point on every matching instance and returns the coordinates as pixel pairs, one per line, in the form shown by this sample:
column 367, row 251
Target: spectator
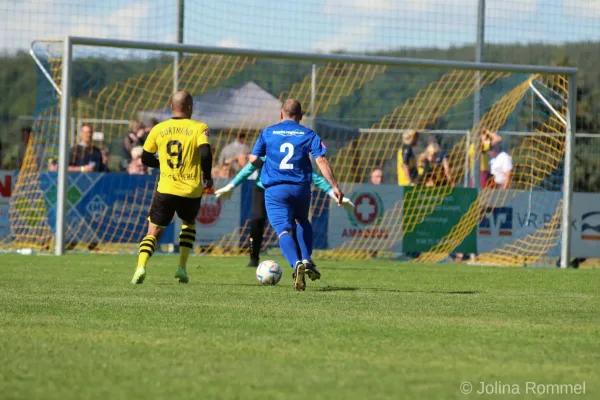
column 16, row 154
column 25, row 136
column 98, row 139
column 136, row 130
column 433, row 167
column 434, row 139
column 151, row 124
column 407, row 168
column 441, row 156
column 487, row 139
column 242, row 160
column 229, row 154
column 221, row 171
column 376, row 177
column 501, row 167
column 85, row 157
column 136, row 167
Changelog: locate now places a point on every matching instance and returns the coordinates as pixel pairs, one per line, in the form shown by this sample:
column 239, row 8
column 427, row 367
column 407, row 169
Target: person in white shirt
column 501, row 167
column 229, row 156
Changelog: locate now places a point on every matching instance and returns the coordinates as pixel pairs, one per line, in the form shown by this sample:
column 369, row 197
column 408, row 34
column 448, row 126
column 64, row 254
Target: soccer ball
column 268, row 273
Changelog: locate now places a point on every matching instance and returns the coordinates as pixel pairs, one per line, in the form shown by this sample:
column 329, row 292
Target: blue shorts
column 286, row 203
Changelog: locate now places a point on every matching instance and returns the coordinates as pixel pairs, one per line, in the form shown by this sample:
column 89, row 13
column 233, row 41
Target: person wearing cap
column 407, row 163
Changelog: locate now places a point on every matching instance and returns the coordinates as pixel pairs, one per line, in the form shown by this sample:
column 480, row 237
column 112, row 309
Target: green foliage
column 18, row 85
column 366, row 106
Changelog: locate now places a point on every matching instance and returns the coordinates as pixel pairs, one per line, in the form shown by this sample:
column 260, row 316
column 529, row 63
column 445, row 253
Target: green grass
column 75, row 328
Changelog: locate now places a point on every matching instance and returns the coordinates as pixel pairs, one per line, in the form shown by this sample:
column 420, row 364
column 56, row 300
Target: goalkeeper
column 259, row 212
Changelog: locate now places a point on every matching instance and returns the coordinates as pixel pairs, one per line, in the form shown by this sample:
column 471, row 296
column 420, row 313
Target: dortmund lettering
column 176, row 130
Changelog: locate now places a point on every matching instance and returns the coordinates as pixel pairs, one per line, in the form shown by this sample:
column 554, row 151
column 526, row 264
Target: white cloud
column 383, row 7
column 122, row 23
column 582, row 8
column 360, row 21
column 513, row 9
column 345, row 7
column 349, row 37
column 54, row 19
column 407, row 8
column 231, row 43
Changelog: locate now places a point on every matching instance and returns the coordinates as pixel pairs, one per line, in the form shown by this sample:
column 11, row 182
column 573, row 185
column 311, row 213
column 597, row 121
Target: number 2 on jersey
column 174, row 153
column 289, row 148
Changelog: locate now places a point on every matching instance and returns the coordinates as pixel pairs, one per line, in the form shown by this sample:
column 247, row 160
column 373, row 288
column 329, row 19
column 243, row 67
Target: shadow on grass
column 354, row 289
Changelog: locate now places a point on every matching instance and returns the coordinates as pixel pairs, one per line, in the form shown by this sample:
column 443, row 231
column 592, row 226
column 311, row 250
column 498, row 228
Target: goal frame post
column 65, row 100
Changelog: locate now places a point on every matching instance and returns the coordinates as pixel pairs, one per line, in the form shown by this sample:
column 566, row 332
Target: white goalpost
column 65, row 134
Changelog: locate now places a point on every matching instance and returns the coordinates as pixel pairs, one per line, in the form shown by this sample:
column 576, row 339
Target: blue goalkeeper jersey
column 320, row 182
column 287, row 146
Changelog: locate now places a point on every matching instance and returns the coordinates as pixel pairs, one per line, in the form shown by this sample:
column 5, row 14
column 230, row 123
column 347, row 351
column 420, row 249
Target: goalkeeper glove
column 346, row 202
column 225, row 192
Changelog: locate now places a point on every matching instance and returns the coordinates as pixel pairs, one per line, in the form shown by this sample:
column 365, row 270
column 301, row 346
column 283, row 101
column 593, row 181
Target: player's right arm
column 259, row 150
column 226, row 191
column 244, row 173
column 150, row 148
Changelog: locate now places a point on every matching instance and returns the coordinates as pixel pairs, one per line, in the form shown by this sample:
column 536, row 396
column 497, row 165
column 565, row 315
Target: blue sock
column 304, row 233
column 288, row 248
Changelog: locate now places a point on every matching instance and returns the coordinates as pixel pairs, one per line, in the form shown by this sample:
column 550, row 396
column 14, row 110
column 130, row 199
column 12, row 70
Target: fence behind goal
column 361, row 106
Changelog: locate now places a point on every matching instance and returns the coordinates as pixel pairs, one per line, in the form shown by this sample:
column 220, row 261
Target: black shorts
column 164, row 206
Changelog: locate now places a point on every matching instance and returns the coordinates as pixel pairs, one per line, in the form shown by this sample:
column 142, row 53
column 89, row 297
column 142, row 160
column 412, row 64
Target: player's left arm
column 259, row 150
column 318, row 150
column 150, row 147
column 205, row 154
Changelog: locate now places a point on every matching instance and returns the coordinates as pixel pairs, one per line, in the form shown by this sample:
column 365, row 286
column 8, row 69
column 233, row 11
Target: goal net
column 364, row 112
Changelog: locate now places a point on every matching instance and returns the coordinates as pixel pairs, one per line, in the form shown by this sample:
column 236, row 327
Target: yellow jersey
column 176, row 141
column 406, row 156
column 485, row 159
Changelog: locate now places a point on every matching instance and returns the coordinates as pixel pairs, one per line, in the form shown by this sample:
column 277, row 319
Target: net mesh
column 360, row 110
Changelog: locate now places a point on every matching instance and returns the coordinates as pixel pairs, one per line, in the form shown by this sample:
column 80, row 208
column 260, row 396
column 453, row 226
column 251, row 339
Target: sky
column 302, row 25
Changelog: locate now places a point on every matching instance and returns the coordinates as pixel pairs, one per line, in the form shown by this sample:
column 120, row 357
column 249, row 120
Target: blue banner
column 107, row 208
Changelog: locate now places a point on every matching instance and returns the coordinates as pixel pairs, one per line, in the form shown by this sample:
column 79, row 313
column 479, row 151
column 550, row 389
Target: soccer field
column 75, row 328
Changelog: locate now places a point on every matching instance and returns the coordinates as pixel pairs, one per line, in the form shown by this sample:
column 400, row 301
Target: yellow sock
column 146, row 250
column 187, row 238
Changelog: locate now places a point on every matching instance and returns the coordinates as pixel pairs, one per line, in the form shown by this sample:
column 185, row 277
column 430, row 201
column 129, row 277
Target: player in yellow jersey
column 185, row 160
column 488, row 140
